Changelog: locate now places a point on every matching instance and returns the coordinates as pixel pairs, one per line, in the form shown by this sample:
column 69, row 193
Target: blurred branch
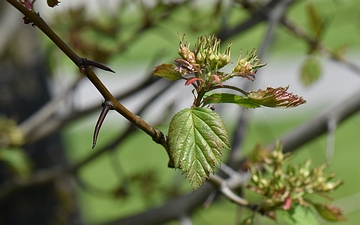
column 50, row 175
column 273, row 18
column 299, row 32
column 258, row 15
column 36, row 129
column 318, row 125
column 44, row 115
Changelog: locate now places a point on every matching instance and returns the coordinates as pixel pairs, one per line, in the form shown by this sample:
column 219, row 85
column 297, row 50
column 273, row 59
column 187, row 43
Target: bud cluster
column 247, row 66
column 206, row 53
column 286, row 184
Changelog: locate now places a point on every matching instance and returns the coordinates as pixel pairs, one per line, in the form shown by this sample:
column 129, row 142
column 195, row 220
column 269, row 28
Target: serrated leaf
column 196, row 138
column 310, row 71
column 300, row 215
column 230, row 98
column 167, row 71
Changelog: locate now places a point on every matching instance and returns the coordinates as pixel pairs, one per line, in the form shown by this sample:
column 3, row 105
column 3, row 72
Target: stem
column 199, row 98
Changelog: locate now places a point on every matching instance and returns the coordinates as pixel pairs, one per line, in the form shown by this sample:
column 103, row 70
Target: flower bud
column 247, row 66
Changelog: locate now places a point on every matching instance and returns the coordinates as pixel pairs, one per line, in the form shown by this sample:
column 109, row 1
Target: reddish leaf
column 192, row 80
column 276, row 97
column 167, row 71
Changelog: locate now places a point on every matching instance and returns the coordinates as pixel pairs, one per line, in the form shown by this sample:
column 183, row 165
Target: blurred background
column 50, row 175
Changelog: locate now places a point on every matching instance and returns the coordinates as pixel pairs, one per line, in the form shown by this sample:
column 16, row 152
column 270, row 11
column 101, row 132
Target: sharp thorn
column 104, row 112
column 86, row 62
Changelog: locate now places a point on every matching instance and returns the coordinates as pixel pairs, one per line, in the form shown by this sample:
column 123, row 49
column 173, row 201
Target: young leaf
column 230, row 98
column 300, row 215
column 167, row 71
column 310, row 71
column 196, row 138
column 275, row 98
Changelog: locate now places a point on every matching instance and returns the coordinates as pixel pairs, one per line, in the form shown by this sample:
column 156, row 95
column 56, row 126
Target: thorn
column 83, row 62
column 106, row 107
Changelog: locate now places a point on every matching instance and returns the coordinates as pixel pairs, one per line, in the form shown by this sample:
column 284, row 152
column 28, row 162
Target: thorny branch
column 157, row 135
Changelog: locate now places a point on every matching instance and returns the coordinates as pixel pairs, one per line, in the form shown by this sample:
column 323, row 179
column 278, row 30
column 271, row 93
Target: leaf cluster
column 197, row 135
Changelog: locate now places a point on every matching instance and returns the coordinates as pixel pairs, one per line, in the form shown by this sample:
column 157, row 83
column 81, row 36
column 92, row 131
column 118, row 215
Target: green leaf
column 310, row 71
column 167, row 71
column 230, row 98
column 196, row 138
column 300, row 215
